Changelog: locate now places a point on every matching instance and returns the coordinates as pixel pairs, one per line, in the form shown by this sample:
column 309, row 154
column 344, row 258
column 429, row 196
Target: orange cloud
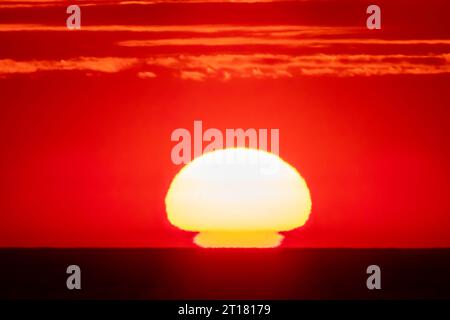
column 192, row 75
column 231, row 66
column 104, row 65
column 261, row 31
column 146, row 75
column 285, row 42
column 52, row 3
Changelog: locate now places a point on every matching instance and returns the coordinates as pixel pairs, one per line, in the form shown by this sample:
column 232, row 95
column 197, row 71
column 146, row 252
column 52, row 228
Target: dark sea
column 177, row 274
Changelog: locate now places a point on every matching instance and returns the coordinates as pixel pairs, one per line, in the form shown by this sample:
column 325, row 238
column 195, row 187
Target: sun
column 238, row 197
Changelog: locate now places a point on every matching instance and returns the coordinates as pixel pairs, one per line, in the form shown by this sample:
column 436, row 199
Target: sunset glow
column 98, row 122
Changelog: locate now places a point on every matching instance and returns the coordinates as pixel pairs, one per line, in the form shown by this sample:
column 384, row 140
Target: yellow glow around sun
column 238, row 198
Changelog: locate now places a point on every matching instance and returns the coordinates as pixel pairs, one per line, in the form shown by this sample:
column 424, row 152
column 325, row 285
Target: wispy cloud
column 259, row 31
column 52, row 3
column 193, row 75
column 284, row 42
column 94, row 64
column 146, row 75
column 226, row 67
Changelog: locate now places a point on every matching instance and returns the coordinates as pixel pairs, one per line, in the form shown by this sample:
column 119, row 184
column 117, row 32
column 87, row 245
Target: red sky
column 86, row 116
